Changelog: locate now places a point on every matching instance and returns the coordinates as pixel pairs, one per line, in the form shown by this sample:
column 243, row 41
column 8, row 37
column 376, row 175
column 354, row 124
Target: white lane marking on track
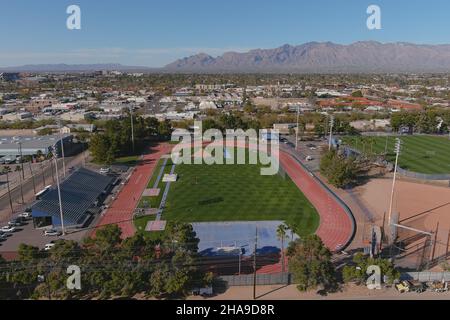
column 138, row 178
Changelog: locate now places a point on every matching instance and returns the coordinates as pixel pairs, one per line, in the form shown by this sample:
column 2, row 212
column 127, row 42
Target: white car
column 105, row 170
column 52, row 233
column 8, row 229
column 309, row 158
column 48, row 246
column 25, row 215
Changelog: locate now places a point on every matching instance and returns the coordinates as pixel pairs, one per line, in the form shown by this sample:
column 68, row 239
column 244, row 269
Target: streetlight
column 59, row 195
column 62, row 148
column 132, row 127
column 331, row 131
column 398, row 144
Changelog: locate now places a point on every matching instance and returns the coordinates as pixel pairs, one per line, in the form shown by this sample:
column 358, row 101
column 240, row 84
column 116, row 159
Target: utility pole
column 32, row 177
column 21, row 159
column 53, row 172
column 397, row 151
column 254, row 265
column 448, row 243
column 59, row 196
column 21, row 183
column 43, row 175
column 296, row 134
column 240, row 254
column 331, row 131
column 386, row 145
column 9, row 190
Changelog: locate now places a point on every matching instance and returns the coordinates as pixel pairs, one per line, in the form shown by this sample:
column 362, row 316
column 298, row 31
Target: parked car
column 438, row 286
column 309, row 158
column 48, row 246
column 8, row 229
column 204, row 292
column 15, row 222
column 25, row 215
column 402, row 286
column 105, row 170
column 52, row 233
column 417, row 286
column 3, row 236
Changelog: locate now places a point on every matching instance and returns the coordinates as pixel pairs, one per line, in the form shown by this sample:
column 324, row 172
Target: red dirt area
column 335, row 227
column 121, row 210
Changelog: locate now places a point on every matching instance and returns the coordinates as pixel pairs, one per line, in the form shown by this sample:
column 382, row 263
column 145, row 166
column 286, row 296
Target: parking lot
column 29, row 235
column 309, row 151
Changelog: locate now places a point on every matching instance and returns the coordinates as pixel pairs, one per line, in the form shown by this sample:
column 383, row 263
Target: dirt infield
column 121, row 210
column 419, row 206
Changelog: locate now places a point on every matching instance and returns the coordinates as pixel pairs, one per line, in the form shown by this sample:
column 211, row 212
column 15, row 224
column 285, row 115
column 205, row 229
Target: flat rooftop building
column 10, row 145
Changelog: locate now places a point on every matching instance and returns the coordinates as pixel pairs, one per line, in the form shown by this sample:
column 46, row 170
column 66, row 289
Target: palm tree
column 6, row 170
column 281, row 235
column 19, row 169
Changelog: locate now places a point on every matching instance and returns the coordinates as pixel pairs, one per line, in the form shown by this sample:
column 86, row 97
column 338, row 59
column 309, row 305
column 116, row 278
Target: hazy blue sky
column 155, row 32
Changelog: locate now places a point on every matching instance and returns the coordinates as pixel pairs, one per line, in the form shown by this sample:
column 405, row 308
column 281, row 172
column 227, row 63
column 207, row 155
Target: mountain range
column 311, row 57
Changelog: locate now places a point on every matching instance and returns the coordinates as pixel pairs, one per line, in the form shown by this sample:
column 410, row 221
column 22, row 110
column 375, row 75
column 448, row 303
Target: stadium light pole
column 62, row 148
column 132, row 128
column 397, row 153
column 331, row 131
column 59, row 196
column 296, row 134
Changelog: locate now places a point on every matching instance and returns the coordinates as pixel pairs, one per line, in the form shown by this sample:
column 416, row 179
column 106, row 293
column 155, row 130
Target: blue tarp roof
column 78, row 193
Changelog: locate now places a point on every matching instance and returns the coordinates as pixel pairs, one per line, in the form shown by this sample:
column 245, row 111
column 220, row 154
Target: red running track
column 122, row 208
column 336, row 226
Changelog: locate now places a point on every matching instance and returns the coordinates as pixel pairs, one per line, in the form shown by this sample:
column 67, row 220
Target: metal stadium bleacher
column 80, row 192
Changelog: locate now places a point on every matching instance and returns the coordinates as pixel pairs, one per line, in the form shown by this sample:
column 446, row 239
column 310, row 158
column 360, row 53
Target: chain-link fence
column 422, row 176
column 261, row 279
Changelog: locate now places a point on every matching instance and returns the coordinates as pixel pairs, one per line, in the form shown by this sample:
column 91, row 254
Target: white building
column 204, row 105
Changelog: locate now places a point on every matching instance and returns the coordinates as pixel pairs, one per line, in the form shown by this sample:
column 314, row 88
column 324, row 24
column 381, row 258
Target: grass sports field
column 211, row 193
column 424, row 154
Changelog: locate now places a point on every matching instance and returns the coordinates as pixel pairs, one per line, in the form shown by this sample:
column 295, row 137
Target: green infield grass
column 423, row 154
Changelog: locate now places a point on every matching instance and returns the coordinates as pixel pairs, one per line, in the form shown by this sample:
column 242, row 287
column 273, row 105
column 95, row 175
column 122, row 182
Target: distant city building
column 207, row 105
column 9, row 76
column 32, row 145
column 19, row 116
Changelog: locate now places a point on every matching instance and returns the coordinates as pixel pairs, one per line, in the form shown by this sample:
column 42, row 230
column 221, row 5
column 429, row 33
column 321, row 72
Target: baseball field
column 423, row 154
